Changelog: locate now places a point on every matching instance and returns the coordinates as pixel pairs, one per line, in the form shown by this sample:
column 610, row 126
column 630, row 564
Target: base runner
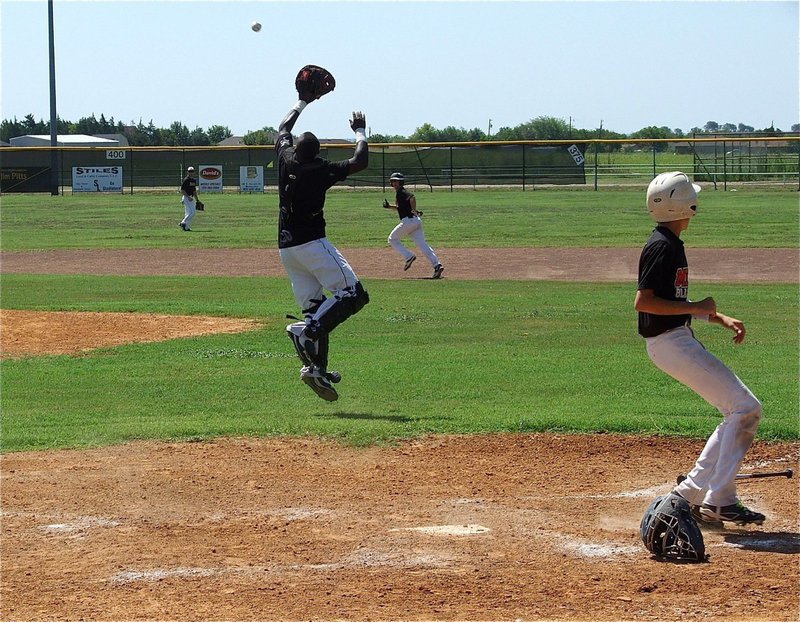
column 665, row 316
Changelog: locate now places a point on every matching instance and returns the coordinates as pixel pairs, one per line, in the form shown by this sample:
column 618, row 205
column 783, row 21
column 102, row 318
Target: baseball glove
column 200, row 206
column 312, row 82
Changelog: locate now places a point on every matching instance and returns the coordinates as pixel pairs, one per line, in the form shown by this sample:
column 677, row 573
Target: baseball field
column 499, row 434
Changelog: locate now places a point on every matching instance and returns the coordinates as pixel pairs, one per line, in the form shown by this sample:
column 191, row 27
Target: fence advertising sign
column 97, row 179
column 25, row 179
column 210, row 178
column 251, row 179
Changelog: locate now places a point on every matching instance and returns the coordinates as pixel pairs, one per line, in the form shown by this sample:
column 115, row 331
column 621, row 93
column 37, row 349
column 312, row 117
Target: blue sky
column 404, row 63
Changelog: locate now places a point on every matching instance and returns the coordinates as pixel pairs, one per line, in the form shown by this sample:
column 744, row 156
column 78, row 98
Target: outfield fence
column 591, row 164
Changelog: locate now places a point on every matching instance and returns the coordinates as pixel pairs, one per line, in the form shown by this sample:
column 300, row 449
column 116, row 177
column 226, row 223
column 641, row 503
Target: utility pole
column 53, row 113
column 489, row 133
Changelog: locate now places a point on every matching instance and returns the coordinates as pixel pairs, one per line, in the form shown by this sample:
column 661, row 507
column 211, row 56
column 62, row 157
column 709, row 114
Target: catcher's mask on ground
column 307, row 147
column 671, row 196
column 398, row 177
column 669, row 532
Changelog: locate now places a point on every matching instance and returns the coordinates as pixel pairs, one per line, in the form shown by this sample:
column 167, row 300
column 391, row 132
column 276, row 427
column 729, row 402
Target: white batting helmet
column 672, row 196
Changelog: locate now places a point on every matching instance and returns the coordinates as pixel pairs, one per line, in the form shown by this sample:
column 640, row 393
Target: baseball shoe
column 437, row 271
column 183, row 226
column 735, row 513
column 409, row 261
column 319, row 383
column 333, row 376
column 703, row 521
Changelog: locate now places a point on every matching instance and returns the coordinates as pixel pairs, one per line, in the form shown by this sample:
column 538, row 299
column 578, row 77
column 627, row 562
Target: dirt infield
column 496, row 527
column 490, row 527
column 775, row 265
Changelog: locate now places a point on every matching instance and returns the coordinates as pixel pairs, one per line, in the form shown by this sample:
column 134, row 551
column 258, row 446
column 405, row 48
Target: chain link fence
column 438, row 166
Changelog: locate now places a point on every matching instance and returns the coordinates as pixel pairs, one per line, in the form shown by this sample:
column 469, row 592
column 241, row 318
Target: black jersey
column 189, row 186
column 664, row 269
column 403, row 202
column 301, row 189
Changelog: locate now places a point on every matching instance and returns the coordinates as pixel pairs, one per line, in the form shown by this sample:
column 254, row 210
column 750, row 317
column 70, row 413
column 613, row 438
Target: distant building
column 232, row 141
column 120, row 138
column 63, row 140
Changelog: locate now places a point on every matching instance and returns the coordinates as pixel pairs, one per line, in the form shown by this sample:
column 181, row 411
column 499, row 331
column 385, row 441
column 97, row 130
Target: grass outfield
column 488, row 219
column 422, row 357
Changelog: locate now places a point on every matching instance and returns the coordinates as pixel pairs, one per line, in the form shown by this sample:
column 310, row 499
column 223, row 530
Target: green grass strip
column 422, row 357
column 485, row 219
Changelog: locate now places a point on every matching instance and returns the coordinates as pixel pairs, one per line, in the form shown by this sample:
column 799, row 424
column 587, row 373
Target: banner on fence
column 251, row 179
column 97, row 179
column 25, row 179
column 210, row 178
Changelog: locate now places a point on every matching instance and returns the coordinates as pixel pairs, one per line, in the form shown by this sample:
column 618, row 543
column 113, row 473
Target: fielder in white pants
column 410, row 225
column 665, row 316
column 189, row 212
column 188, row 198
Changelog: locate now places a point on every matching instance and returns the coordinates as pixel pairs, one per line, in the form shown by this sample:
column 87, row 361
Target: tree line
column 539, row 128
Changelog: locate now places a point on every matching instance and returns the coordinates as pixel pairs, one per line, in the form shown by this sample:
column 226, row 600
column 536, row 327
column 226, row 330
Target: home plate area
column 487, row 527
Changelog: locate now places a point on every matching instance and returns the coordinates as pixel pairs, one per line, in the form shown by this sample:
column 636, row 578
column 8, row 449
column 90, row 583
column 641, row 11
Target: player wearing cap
column 665, row 316
column 410, row 225
column 189, row 192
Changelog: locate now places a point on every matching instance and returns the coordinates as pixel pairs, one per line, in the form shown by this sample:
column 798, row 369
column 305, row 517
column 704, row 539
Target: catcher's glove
column 386, row 204
column 312, row 82
column 200, row 206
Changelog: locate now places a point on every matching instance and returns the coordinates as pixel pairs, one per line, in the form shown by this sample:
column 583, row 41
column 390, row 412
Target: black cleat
column 735, row 513
column 319, row 384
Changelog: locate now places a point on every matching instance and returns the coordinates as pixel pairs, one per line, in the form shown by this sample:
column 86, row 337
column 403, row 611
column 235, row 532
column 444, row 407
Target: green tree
column 218, row 133
column 425, row 133
column 10, row 129
column 198, row 137
column 176, row 135
column 386, row 138
column 265, row 136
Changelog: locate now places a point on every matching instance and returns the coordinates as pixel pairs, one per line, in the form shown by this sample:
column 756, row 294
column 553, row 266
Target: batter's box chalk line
column 447, row 530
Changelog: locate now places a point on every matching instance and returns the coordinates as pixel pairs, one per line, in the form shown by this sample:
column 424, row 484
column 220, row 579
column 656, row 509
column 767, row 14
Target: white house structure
column 63, row 140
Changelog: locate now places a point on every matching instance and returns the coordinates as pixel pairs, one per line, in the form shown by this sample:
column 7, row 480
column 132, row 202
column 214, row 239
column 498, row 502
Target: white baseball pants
column 188, row 211
column 315, row 266
column 412, row 227
column 713, row 478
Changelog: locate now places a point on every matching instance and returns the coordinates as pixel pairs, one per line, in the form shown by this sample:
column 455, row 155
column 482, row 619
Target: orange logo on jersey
column 682, row 283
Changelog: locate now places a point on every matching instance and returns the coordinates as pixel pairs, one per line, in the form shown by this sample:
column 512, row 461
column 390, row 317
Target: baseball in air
column 256, row 26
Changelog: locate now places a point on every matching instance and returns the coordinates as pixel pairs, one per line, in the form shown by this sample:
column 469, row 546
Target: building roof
column 62, row 140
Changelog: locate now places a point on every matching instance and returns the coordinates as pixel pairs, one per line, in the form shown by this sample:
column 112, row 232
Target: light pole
column 53, row 113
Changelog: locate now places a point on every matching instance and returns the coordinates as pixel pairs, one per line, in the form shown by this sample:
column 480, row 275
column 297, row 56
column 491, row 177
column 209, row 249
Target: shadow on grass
column 373, row 417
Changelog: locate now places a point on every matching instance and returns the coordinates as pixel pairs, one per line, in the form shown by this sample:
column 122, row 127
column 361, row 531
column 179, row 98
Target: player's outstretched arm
column 291, row 117
column 360, row 158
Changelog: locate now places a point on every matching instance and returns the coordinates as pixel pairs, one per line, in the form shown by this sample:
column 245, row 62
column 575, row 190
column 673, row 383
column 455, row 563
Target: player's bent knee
column 749, row 414
column 349, row 301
